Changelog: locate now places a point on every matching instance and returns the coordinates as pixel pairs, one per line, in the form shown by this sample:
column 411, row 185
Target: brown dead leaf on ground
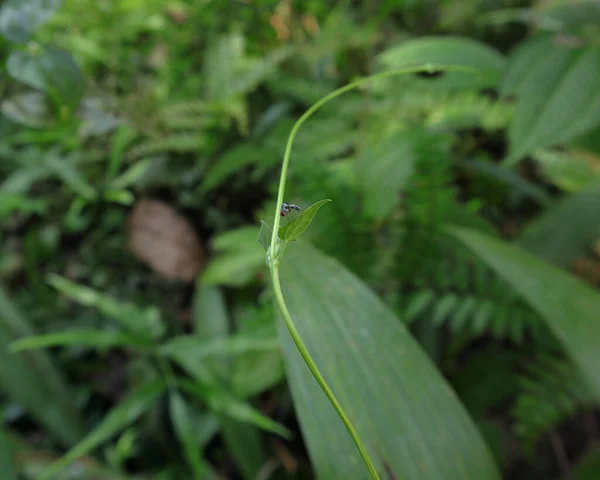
column 165, row 241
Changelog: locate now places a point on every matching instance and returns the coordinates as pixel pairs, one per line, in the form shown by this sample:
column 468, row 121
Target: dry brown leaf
column 165, row 241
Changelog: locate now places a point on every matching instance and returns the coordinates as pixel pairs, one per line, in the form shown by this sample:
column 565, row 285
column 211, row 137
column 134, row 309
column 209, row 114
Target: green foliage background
column 450, row 289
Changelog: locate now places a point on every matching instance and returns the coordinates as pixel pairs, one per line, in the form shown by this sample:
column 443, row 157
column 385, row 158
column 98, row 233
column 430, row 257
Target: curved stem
column 274, row 256
column 318, row 377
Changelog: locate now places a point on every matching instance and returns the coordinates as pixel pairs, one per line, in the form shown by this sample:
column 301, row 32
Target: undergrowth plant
column 280, row 237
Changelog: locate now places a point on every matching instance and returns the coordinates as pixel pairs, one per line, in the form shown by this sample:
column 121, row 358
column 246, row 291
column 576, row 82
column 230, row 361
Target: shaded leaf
column 52, row 70
column 143, row 321
column 7, row 458
column 355, row 340
column 101, row 339
column 448, row 50
column 20, row 18
column 222, row 402
column 33, row 380
column 557, row 96
column 197, row 348
column 179, row 412
column 296, row 227
column 383, row 169
column 245, row 445
column 564, row 231
column 569, row 306
column 119, row 418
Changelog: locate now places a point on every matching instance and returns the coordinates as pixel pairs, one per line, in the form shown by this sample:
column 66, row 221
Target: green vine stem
column 274, row 255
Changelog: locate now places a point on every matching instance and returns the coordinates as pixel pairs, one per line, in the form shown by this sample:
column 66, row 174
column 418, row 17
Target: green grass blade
column 404, row 411
column 569, row 306
column 117, row 420
column 101, row 339
column 33, row 380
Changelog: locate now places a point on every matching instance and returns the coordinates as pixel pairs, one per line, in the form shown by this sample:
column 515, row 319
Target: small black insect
column 287, row 207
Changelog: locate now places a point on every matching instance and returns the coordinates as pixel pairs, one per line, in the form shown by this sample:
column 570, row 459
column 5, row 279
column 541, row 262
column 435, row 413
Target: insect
column 287, row 207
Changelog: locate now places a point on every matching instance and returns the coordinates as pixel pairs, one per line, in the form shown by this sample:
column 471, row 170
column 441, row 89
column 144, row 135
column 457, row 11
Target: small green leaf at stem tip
column 291, row 231
column 264, row 236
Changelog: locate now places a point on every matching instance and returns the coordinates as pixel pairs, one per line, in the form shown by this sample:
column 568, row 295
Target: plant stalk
column 274, row 255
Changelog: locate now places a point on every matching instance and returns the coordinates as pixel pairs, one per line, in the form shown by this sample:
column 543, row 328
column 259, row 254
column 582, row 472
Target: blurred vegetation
column 140, row 145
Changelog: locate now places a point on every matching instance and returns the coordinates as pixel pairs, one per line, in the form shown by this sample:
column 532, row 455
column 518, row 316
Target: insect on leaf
column 291, row 231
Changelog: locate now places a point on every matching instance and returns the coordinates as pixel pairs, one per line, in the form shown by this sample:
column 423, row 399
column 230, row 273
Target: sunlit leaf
column 412, row 422
column 296, row 227
column 569, row 306
column 119, row 418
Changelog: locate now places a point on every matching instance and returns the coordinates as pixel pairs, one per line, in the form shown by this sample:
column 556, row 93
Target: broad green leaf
column 145, row 321
column 448, row 50
column 563, row 232
column 412, row 422
column 119, row 418
column 296, row 227
column 558, row 96
column 180, row 417
column 569, row 170
column 52, row 70
column 383, row 169
column 569, row 306
column 101, row 339
column 264, row 235
column 224, row 403
column 33, row 380
column 7, row 458
column 20, row 18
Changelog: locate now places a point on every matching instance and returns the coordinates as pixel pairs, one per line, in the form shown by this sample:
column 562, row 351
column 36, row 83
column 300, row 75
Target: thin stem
column 275, row 256
column 318, row 377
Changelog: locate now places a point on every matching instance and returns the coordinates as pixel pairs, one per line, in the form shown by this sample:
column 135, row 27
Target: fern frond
column 176, row 142
column 551, row 391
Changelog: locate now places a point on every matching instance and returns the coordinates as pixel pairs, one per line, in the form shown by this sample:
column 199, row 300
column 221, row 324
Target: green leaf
column 117, row 420
column 448, row 50
column 562, row 234
column 180, row 416
column 355, row 341
column 264, row 235
column 558, row 96
column 224, row 403
column 145, row 322
column 383, row 169
column 101, row 339
column 245, row 445
column 569, row 306
column 20, row 18
column 52, row 70
column 211, row 323
column 588, row 466
column 239, row 261
column 33, row 380
column 296, row 227
column 7, row 458
column 196, row 349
